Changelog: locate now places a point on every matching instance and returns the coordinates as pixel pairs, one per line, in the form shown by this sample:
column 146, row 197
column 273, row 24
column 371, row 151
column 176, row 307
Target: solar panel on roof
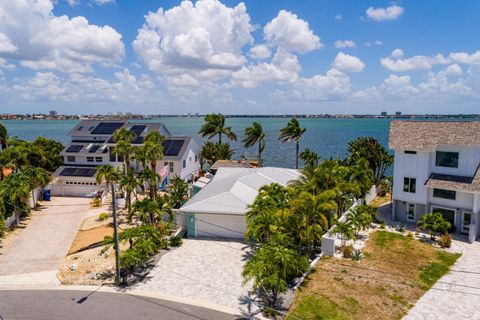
column 105, row 150
column 78, row 172
column 74, row 148
column 107, row 127
column 94, row 148
column 166, row 145
column 174, row 148
column 138, row 129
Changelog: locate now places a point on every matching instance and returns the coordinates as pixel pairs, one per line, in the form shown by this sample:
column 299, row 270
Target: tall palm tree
column 215, row 125
column 124, row 138
column 129, row 183
column 39, row 178
column 16, row 190
column 106, row 173
column 151, row 177
column 3, row 137
column 292, row 132
column 147, row 210
column 153, row 148
column 255, row 134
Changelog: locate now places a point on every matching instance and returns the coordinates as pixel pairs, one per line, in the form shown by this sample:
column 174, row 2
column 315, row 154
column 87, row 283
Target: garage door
column 222, row 226
column 72, row 190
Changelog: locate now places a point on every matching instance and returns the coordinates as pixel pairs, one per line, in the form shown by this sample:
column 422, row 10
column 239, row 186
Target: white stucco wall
column 411, row 166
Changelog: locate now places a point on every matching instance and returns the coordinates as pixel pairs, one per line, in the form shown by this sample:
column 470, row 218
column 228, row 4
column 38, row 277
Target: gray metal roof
column 233, row 189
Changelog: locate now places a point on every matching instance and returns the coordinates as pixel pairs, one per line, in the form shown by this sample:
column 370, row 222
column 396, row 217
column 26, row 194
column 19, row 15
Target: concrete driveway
column 35, row 253
column 457, row 294
column 203, row 270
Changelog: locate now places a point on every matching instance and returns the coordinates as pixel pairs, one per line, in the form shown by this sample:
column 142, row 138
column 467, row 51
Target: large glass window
column 409, row 184
column 171, row 166
column 444, row 194
column 446, row 159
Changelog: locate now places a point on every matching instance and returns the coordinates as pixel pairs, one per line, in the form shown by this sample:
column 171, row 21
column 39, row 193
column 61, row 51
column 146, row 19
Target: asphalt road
column 86, row 305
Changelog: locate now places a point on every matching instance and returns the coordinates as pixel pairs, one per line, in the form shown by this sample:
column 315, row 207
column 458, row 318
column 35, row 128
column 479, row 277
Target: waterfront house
column 92, row 145
column 219, row 208
column 436, row 169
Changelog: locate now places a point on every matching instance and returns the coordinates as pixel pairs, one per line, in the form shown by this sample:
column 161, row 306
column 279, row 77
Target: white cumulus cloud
column 345, row 44
column 466, row 58
column 419, row 62
column 348, row 63
column 260, row 51
column 33, row 35
column 291, row 33
column 382, row 14
column 206, row 35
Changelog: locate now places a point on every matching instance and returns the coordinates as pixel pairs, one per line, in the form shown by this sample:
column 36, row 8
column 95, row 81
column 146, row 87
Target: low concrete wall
column 328, row 239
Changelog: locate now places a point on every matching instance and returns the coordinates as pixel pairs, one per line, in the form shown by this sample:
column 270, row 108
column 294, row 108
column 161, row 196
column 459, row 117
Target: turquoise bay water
column 327, row 137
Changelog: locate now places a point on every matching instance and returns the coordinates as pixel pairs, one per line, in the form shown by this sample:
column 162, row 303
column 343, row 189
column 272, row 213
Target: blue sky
column 95, row 56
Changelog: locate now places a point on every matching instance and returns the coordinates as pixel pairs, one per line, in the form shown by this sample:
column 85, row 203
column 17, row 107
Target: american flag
column 164, row 171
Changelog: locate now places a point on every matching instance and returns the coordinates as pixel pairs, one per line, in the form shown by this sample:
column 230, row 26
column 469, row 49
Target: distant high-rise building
column 398, row 114
column 53, row 113
column 383, row 114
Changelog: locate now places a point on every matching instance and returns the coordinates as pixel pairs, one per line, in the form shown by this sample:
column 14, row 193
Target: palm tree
column 39, row 178
column 434, row 223
column 345, row 230
column 215, row 125
column 124, row 138
column 16, row 190
column 147, row 210
column 178, row 192
column 151, row 177
column 292, row 132
column 255, row 134
column 309, row 158
column 3, row 137
column 129, row 183
column 106, row 172
column 123, row 134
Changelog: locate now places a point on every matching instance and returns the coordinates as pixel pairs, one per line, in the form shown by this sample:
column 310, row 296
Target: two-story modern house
column 436, row 169
column 92, row 145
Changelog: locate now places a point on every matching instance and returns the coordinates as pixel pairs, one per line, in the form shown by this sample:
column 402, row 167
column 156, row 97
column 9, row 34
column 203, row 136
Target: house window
column 409, row 185
column 196, row 158
column 410, row 152
column 165, row 163
column 171, row 166
column 71, row 158
column 89, row 159
column 98, row 159
column 184, row 164
column 113, row 156
column 411, row 212
column 444, row 194
column 446, row 159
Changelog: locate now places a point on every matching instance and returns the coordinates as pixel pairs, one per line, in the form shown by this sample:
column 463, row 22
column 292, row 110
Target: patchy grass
column 379, row 201
column 394, row 274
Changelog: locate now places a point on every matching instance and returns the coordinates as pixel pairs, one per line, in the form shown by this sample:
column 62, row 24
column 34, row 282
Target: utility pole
column 115, row 239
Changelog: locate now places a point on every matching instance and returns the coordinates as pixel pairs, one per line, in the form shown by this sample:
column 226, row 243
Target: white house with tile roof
column 92, row 145
column 436, row 169
column 218, row 210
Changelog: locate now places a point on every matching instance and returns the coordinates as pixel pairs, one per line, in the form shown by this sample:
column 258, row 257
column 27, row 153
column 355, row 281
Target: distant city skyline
column 251, row 57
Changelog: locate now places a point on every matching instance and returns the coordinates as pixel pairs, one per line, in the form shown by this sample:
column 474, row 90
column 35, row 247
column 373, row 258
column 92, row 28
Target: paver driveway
column 458, row 294
column 35, row 253
column 202, row 270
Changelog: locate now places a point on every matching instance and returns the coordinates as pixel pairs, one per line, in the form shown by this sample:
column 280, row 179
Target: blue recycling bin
column 46, row 195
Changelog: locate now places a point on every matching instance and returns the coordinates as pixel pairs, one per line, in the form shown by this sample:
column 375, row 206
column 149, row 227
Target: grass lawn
column 394, row 273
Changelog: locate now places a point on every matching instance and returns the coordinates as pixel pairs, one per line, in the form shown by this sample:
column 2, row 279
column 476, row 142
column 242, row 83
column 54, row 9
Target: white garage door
column 217, row 225
column 72, row 190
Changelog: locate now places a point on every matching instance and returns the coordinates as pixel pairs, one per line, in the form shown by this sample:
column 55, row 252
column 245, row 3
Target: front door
column 466, row 220
column 191, row 225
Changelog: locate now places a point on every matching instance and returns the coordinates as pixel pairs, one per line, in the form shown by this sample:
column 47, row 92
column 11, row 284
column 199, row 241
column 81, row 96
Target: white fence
column 328, row 239
column 31, row 202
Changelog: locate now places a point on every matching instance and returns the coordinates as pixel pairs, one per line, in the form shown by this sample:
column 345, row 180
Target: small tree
column 178, row 192
column 345, row 230
column 434, row 223
column 272, row 269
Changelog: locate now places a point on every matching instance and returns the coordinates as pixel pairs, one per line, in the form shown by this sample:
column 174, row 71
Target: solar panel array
column 78, row 172
column 74, row 148
column 107, row 127
column 94, row 148
column 138, row 129
column 172, row 147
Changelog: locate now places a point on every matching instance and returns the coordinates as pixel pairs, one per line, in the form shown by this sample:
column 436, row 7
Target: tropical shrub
column 96, row 202
column 434, row 223
column 103, row 216
column 445, row 240
column 410, row 234
column 175, row 241
column 383, row 188
column 348, row 251
column 345, row 230
column 357, row 255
